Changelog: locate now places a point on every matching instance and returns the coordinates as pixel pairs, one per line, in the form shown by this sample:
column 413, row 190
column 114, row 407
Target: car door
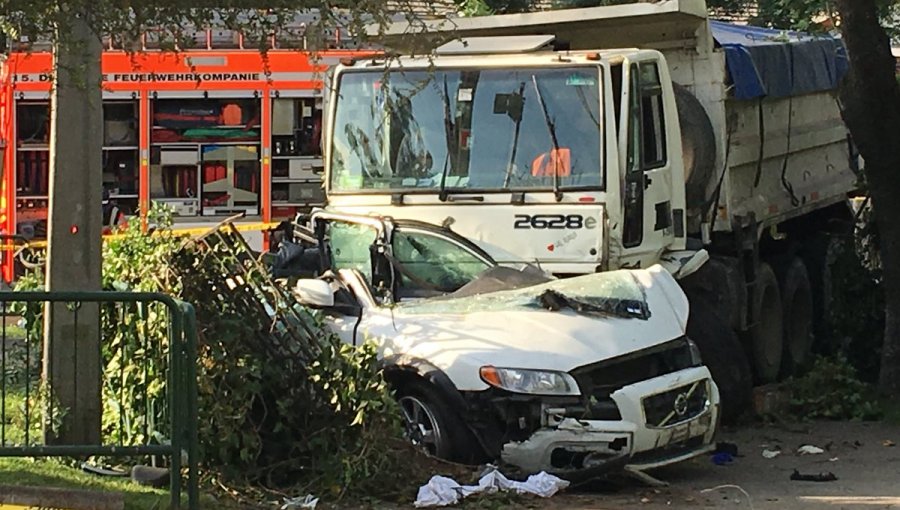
column 348, row 245
column 647, row 194
column 351, row 317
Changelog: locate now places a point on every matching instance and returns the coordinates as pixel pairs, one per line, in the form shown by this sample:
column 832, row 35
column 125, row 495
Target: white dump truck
column 616, row 137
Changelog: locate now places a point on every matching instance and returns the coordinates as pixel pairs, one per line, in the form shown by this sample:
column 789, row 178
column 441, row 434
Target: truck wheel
column 766, row 337
column 797, row 305
column 431, row 424
column 723, row 355
column 818, row 255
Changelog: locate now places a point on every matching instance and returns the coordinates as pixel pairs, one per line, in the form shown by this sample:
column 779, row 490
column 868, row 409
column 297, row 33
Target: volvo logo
column 681, row 404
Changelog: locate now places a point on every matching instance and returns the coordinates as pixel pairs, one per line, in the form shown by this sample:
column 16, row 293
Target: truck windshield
column 488, row 130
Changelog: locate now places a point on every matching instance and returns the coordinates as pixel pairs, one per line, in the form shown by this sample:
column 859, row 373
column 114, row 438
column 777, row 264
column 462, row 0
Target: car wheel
column 722, row 354
column 430, row 424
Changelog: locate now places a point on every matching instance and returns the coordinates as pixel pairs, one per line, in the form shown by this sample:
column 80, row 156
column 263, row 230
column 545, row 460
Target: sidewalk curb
column 21, row 497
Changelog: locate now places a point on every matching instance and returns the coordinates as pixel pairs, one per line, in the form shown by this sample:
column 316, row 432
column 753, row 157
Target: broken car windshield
column 469, row 130
column 614, row 293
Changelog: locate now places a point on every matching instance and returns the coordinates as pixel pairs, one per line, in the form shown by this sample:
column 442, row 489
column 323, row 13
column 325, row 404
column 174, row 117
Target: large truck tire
column 765, row 339
column 721, row 281
column 818, row 254
column 797, row 307
column 698, row 145
column 723, row 354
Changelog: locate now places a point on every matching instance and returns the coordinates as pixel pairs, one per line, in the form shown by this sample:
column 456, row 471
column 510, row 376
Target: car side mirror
column 311, row 292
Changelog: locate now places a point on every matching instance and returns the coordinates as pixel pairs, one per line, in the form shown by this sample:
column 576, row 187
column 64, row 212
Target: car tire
column 797, row 304
column 431, row 423
column 723, row 355
column 765, row 339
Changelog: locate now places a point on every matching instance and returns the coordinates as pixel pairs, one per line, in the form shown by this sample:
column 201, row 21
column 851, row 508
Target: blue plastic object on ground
column 721, row 459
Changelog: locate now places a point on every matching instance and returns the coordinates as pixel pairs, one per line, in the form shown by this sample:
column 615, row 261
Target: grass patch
column 53, row 473
column 15, row 332
column 14, row 428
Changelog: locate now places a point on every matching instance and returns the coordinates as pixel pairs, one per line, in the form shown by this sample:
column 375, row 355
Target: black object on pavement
column 821, row 477
column 729, row 448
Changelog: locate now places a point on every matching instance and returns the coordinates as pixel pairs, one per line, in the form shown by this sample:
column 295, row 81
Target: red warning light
column 73, row 229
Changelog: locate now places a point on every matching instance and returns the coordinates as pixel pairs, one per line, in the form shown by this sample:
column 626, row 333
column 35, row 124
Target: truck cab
column 577, row 152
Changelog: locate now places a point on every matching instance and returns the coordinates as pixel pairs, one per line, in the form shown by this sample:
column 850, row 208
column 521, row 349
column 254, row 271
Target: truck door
column 647, row 191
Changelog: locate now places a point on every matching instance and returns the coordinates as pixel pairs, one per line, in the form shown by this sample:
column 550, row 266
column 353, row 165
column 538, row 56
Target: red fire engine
column 211, row 132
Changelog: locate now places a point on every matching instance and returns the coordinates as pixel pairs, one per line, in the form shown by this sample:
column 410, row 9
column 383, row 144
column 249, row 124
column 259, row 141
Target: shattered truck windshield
column 469, row 130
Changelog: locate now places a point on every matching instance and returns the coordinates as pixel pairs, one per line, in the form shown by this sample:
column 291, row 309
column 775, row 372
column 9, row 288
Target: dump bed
column 781, row 148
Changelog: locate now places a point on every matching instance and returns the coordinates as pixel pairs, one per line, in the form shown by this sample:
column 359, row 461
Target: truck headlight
column 532, row 382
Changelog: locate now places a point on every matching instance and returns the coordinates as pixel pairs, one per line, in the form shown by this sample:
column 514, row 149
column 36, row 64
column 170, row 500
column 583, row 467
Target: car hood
column 511, row 329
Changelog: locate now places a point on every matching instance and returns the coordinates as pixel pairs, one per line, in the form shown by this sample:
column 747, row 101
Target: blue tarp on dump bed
column 772, row 63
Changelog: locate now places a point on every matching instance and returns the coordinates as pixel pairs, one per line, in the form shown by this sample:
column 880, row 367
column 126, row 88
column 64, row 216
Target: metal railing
column 147, row 360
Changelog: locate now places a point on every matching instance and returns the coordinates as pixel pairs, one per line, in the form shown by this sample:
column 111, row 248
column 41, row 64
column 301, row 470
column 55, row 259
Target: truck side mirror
column 315, row 293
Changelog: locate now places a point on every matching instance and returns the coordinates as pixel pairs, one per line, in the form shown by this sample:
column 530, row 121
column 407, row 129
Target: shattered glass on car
column 435, row 262
column 614, row 294
column 351, row 246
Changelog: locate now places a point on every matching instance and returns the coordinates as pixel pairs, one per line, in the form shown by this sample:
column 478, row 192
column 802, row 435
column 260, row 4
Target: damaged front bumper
column 664, row 420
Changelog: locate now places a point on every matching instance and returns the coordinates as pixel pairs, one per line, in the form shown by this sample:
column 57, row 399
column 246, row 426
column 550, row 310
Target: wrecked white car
column 568, row 376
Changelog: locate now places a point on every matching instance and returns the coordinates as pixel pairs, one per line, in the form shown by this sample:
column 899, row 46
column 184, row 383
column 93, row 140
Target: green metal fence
column 148, row 378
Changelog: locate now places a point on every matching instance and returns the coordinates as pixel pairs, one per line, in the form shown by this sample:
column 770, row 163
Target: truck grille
column 676, row 406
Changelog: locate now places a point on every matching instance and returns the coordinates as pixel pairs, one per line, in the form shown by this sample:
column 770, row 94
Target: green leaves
column 832, row 390
column 174, row 22
column 321, row 417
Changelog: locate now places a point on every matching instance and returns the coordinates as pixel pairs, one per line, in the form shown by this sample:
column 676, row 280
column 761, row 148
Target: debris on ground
column 645, row 478
column 821, row 477
column 733, row 487
column 300, row 503
column 721, row 459
column 94, row 469
column 443, row 491
column 771, row 454
column 150, row 476
column 888, row 443
column 809, row 449
column 729, row 448
column 855, row 444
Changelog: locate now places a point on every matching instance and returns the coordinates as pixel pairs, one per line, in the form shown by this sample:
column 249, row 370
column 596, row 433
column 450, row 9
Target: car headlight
column 532, row 382
column 696, row 359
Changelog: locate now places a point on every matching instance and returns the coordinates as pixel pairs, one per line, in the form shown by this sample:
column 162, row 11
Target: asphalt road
column 860, row 455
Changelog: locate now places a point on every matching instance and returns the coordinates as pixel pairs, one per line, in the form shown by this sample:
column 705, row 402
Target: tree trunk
column 72, row 334
column 871, row 97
